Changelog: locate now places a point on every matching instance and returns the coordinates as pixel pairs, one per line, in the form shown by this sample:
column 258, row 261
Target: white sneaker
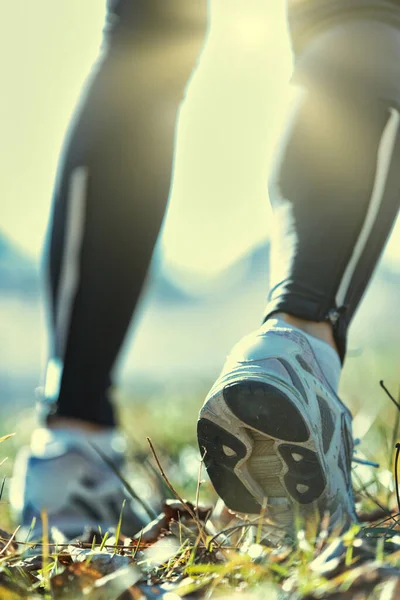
column 61, row 473
column 273, row 432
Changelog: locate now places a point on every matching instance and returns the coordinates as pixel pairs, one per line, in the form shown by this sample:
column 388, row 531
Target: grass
column 210, row 568
column 223, row 556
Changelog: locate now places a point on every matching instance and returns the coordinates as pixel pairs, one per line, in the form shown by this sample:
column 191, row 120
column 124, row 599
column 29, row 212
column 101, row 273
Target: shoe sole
column 260, row 413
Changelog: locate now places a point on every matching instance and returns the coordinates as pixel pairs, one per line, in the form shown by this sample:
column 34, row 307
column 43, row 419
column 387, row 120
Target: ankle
column 320, row 330
column 59, row 422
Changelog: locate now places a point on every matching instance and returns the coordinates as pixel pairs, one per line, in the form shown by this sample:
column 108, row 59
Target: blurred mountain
column 18, row 272
column 185, row 324
column 194, row 336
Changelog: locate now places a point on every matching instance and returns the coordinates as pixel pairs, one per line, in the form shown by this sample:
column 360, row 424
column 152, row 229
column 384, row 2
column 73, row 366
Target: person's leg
column 110, row 196
column 335, row 185
column 272, row 428
column 109, row 200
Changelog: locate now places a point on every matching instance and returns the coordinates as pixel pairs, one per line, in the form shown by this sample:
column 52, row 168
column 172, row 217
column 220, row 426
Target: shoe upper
column 61, row 473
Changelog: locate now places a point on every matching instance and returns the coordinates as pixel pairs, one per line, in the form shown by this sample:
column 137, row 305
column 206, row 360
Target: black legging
column 335, row 185
column 112, row 190
column 114, row 179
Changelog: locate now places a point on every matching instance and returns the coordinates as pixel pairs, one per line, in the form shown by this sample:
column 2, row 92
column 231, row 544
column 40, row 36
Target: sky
column 228, row 124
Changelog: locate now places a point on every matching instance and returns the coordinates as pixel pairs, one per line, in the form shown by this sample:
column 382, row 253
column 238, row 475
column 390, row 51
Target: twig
column 389, row 394
column 231, row 529
column 374, row 516
column 152, row 514
column 397, row 446
column 9, row 541
column 396, row 427
column 375, row 501
column 392, row 514
column 2, row 487
column 79, row 545
column 396, row 477
column 394, row 445
column 234, row 528
column 176, row 494
column 365, row 487
column 199, row 484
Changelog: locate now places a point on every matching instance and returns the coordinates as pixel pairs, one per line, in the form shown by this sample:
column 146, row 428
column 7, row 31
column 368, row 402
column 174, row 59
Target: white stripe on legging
column 70, row 268
column 385, row 154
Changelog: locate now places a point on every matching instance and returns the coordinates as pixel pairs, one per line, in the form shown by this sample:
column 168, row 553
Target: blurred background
column 209, row 278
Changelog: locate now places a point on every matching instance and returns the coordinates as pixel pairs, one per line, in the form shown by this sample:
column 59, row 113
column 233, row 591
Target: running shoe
column 61, row 473
column 275, row 436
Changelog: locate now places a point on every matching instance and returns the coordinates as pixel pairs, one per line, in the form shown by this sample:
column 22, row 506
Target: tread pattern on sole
column 220, row 467
column 305, row 480
column 267, row 409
